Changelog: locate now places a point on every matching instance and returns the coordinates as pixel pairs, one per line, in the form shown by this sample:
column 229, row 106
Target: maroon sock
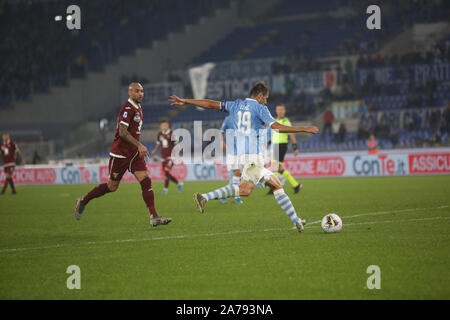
column 147, row 194
column 166, row 182
column 11, row 183
column 5, row 185
column 171, row 177
column 98, row 191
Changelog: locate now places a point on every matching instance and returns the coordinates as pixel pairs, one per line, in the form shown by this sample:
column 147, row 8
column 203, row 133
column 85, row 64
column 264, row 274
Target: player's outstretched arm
column 291, row 129
column 202, row 103
column 155, row 149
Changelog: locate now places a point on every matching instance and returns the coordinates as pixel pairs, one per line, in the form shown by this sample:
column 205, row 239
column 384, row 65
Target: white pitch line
column 389, row 221
column 234, row 232
column 384, row 212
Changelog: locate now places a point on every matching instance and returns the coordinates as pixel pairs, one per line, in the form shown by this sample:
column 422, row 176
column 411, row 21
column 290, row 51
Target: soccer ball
column 331, row 223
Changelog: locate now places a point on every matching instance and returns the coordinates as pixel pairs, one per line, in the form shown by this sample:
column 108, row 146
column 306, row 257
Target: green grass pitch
column 249, row 251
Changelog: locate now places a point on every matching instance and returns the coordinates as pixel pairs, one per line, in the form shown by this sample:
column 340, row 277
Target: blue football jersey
column 249, row 120
column 227, row 124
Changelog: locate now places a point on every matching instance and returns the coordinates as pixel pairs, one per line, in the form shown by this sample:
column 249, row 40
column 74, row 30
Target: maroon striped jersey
column 164, row 139
column 131, row 115
column 8, row 151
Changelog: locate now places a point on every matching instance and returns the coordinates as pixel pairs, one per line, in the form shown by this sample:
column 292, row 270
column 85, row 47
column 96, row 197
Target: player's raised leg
column 117, row 167
column 235, row 180
column 97, row 192
column 228, row 191
column 284, row 202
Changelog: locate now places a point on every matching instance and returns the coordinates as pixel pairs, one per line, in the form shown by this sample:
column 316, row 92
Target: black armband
column 294, row 146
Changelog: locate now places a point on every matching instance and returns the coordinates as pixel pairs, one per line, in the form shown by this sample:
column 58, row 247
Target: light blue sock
column 228, row 191
column 286, row 204
column 236, row 181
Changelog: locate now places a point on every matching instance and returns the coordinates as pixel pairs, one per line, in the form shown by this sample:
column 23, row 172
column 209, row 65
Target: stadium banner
column 156, row 93
column 241, row 69
column 199, row 79
column 347, row 109
column 234, row 88
column 308, row 82
column 417, row 74
column 334, row 164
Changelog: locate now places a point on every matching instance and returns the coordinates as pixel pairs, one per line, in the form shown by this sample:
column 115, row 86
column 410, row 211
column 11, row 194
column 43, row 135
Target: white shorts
column 256, row 173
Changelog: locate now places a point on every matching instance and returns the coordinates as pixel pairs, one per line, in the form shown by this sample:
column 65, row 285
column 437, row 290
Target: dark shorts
column 279, row 151
column 9, row 170
column 118, row 166
column 167, row 164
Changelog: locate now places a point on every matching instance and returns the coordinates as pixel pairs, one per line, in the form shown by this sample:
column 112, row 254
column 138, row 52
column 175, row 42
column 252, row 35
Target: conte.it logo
column 73, row 17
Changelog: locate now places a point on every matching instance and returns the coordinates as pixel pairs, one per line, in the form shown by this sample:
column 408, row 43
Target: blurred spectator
column 36, row 158
column 416, row 120
column 363, row 133
column 372, row 144
column 446, row 117
column 328, row 119
column 394, row 137
column 410, row 126
column 382, row 130
column 342, row 132
column 435, row 121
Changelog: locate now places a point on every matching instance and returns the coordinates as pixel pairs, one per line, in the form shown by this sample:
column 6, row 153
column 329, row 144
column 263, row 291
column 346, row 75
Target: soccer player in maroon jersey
column 165, row 142
column 9, row 149
column 127, row 153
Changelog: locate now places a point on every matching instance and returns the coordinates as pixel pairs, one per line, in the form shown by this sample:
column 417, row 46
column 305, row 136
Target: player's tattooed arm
column 125, row 135
column 291, row 129
column 202, row 103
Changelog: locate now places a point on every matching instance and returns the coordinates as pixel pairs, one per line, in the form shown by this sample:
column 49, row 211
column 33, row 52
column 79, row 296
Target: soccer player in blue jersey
column 249, row 117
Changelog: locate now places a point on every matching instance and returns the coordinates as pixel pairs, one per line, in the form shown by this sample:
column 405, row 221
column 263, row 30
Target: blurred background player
column 9, row 150
column 232, row 164
column 280, row 143
column 165, row 142
column 249, row 117
column 127, row 153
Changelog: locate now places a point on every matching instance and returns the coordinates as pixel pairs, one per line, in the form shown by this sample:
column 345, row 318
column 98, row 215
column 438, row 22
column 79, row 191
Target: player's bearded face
column 138, row 95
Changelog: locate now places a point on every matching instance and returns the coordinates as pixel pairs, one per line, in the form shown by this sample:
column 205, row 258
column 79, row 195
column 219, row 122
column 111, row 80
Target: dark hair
column 259, row 87
column 164, row 121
